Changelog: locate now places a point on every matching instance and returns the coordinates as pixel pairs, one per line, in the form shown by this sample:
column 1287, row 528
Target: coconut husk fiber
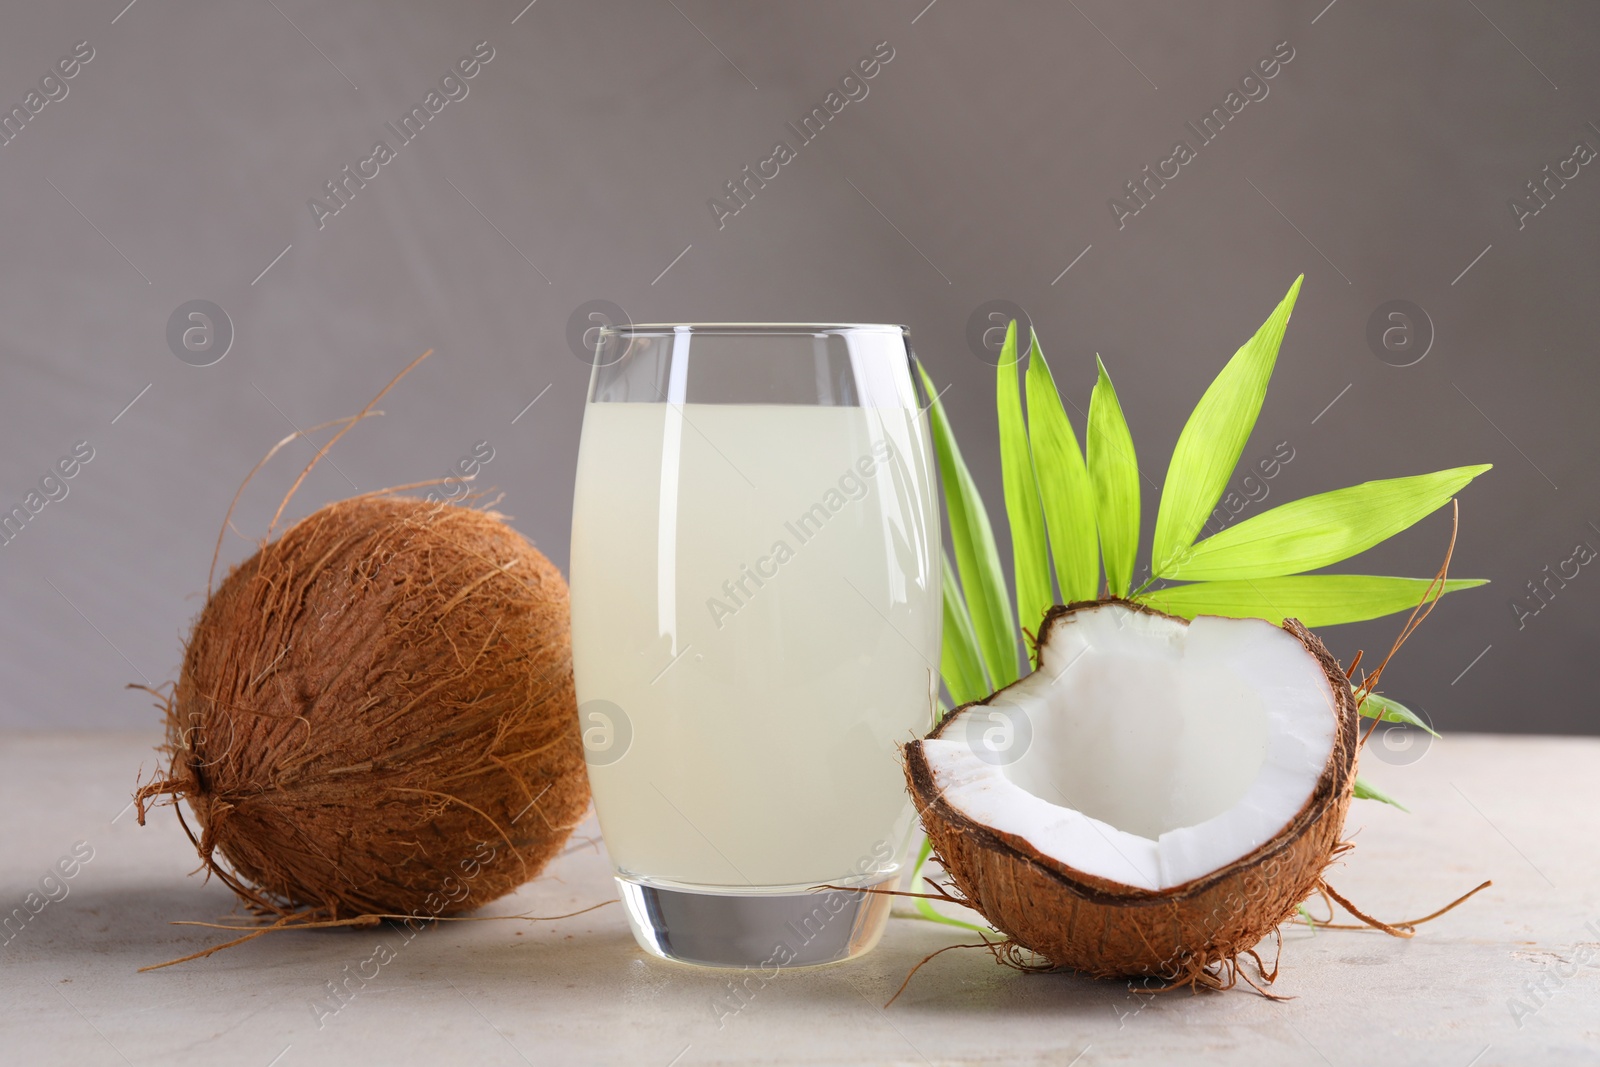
column 376, row 715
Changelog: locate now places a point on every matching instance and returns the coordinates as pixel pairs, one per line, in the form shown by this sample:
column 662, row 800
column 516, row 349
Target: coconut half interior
column 1160, row 751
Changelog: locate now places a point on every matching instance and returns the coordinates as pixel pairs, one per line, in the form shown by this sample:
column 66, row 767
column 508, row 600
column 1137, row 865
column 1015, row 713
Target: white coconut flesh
column 1160, row 751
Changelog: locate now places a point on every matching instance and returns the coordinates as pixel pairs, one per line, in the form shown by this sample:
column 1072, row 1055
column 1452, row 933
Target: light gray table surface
column 1511, row 977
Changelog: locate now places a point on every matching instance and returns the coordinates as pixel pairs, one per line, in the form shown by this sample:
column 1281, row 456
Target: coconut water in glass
column 755, row 627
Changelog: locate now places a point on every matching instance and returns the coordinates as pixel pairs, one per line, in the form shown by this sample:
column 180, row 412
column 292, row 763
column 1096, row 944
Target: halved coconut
column 1155, row 798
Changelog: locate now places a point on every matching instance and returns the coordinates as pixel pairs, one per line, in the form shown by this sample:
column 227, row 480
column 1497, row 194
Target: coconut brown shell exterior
column 376, row 714
column 1109, row 930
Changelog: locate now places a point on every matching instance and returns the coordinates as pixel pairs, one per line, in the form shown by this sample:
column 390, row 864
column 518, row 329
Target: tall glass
column 755, row 628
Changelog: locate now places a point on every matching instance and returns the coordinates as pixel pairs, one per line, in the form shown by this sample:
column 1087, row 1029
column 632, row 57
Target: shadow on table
column 141, row 925
column 126, row 928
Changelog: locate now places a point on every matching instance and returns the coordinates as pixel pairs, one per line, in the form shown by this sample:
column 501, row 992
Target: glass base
column 767, row 929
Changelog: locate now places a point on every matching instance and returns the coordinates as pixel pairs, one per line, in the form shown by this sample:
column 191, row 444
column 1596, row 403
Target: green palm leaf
column 959, row 662
column 1380, row 707
column 1366, row 791
column 1071, row 510
column 1208, row 449
column 1064, row 486
column 1114, row 471
column 1316, row 531
column 1030, row 558
column 977, row 561
column 1314, row 599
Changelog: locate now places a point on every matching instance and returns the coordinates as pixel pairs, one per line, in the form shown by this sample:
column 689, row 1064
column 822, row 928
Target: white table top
column 1523, row 811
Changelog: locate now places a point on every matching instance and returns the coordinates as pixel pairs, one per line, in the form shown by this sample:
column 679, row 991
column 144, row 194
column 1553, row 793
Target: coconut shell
column 376, row 715
column 1108, row 930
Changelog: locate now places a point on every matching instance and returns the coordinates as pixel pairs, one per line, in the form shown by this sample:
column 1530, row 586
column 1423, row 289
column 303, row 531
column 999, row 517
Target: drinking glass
column 755, row 629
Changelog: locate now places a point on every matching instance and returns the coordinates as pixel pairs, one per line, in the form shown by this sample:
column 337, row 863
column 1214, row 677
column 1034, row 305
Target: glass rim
column 752, row 328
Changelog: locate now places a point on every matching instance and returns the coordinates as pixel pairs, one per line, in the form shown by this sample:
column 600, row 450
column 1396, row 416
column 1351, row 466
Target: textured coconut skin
column 1108, row 930
column 376, row 714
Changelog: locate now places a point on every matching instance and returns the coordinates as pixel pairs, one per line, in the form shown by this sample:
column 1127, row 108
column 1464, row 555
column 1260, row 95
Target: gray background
column 978, row 167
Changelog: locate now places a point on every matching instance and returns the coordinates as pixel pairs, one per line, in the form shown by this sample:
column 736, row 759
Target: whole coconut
column 376, row 715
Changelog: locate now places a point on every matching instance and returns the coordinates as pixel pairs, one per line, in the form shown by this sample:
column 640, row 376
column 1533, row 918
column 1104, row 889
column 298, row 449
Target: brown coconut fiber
column 376, row 716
